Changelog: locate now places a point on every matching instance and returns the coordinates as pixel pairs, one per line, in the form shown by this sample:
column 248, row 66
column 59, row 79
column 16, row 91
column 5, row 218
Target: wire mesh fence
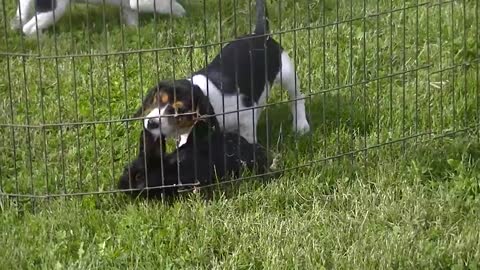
column 374, row 74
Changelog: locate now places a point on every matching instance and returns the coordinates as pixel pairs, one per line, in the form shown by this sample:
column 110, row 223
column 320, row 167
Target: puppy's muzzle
column 153, row 124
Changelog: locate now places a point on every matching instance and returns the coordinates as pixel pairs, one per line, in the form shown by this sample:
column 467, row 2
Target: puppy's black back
column 247, row 64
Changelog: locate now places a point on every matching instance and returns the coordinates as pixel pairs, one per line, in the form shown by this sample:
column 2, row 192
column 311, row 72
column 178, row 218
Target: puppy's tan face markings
column 183, row 119
column 163, row 97
column 178, row 105
column 165, row 103
column 159, row 100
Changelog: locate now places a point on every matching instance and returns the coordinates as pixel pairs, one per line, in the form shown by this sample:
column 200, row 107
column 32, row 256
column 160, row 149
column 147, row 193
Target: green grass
column 394, row 152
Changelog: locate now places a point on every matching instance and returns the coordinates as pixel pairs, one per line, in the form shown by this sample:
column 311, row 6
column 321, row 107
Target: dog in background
column 237, row 83
column 41, row 14
column 207, row 156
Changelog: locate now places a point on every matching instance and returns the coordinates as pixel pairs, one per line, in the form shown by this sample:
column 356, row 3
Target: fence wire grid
column 374, row 74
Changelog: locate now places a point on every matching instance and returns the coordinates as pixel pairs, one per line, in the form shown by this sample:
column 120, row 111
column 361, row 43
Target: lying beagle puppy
column 47, row 12
column 237, row 82
column 209, row 154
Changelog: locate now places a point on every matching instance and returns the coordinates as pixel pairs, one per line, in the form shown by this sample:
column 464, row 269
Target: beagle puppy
column 41, row 14
column 237, row 83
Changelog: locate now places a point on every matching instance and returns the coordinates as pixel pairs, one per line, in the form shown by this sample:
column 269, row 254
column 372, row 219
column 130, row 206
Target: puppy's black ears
column 147, row 100
column 204, row 107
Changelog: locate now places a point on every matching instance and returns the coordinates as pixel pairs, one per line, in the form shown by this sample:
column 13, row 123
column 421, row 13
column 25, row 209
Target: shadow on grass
column 325, row 112
column 445, row 159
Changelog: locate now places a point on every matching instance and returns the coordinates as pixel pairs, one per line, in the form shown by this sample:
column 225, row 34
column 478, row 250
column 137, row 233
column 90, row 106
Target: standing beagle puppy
column 237, row 83
column 41, row 14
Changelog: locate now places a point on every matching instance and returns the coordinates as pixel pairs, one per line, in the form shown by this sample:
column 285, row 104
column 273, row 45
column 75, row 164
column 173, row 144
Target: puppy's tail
column 262, row 27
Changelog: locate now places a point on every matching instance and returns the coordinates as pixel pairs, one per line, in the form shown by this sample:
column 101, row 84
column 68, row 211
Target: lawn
column 387, row 178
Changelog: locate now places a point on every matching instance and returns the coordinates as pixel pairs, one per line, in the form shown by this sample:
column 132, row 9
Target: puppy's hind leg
column 289, row 80
column 22, row 14
column 45, row 19
column 158, row 6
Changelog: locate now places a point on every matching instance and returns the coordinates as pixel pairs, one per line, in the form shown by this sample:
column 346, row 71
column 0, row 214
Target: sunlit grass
column 381, row 82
